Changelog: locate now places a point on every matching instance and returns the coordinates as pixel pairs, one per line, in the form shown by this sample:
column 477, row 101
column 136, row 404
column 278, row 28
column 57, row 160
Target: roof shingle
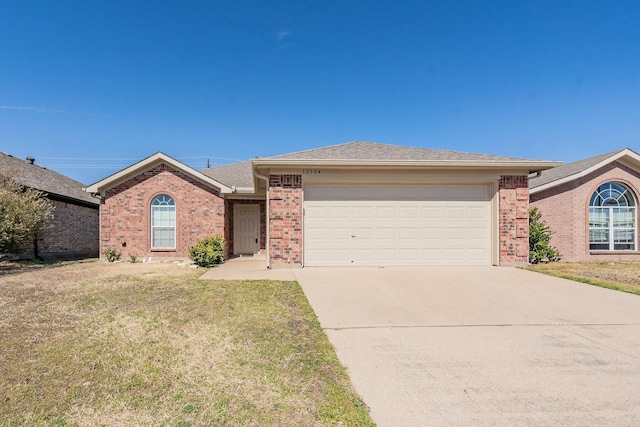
column 235, row 174
column 40, row 178
column 566, row 170
column 375, row 151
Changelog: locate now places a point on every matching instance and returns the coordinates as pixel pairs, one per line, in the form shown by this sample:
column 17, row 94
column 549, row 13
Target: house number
column 310, row 171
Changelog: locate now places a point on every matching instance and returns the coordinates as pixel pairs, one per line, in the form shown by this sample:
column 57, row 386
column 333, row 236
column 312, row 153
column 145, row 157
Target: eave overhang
column 626, row 156
column 528, row 165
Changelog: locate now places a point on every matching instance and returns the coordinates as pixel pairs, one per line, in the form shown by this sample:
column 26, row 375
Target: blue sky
column 89, row 87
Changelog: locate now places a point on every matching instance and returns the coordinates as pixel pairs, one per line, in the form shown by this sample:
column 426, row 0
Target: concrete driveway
column 481, row 345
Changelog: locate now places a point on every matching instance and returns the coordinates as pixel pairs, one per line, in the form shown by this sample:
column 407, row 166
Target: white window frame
column 611, row 205
column 164, row 201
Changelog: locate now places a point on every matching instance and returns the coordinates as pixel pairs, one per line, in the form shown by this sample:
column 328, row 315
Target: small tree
column 24, row 212
column 540, row 249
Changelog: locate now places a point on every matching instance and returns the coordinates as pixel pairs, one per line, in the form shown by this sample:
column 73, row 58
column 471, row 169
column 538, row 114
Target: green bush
column 540, row 250
column 207, row 252
column 112, row 255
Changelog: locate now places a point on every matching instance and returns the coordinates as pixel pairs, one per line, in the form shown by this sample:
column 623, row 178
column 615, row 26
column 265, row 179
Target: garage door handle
column 353, row 235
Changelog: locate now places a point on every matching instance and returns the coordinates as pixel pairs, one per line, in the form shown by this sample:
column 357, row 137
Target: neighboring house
column 357, row 203
column 73, row 230
column 591, row 206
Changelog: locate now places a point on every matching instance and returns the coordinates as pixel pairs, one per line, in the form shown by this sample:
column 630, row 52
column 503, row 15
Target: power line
column 133, row 158
column 121, row 166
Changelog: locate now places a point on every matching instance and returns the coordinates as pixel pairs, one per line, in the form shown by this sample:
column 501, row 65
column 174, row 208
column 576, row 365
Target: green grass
column 621, row 276
column 124, row 344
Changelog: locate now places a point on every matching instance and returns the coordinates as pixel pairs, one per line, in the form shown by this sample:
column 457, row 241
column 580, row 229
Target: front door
column 246, row 226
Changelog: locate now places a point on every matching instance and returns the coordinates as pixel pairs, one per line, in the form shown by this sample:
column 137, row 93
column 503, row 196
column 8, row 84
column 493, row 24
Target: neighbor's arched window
column 163, row 222
column 612, row 218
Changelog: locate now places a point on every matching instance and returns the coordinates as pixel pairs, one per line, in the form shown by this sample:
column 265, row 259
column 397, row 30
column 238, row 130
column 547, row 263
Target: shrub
column 133, row 259
column 540, row 250
column 112, row 255
column 207, row 252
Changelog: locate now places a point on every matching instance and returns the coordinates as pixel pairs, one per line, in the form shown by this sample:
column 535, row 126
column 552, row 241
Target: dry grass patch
column 150, row 344
column 622, row 276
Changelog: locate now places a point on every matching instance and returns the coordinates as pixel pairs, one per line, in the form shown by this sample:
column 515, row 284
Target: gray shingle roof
column 234, row 174
column 40, row 178
column 568, row 169
column 358, row 150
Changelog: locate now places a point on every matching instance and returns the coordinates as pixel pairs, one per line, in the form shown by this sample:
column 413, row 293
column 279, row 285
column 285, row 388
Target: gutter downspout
column 267, row 245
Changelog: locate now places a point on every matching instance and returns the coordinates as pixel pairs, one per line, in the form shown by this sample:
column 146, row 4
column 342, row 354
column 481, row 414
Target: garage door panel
column 408, row 212
column 478, row 233
column 363, row 233
column 339, row 212
column 386, row 233
column 316, row 212
column 388, row 212
column 397, row 225
column 342, row 233
column 453, row 254
column 431, row 212
column 477, row 212
column 364, row 212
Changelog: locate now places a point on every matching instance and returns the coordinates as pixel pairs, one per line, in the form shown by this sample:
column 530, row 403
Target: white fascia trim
column 156, row 159
column 623, row 153
column 531, row 165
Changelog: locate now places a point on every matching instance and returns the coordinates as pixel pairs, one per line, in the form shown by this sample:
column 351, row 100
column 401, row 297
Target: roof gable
column 145, row 164
column 46, row 180
column 562, row 174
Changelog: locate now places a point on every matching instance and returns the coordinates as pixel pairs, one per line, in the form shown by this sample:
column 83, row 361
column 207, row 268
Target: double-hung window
column 612, row 218
column 163, row 222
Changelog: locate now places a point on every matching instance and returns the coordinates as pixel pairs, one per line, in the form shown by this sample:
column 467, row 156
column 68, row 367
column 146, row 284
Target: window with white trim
column 612, row 218
column 163, row 223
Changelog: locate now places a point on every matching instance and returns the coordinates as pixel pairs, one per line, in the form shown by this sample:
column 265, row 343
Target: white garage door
column 387, row 225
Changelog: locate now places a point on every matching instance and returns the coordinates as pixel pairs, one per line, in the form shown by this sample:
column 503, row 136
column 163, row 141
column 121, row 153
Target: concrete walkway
column 248, row 268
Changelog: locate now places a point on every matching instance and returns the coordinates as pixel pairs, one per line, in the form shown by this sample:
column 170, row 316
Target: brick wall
column 514, row 219
column 285, row 219
column 565, row 208
column 229, row 219
column 125, row 213
column 71, row 233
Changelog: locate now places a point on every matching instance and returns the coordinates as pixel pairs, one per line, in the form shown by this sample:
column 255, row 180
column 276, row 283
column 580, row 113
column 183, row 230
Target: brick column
column 285, row 219
column 514, row 219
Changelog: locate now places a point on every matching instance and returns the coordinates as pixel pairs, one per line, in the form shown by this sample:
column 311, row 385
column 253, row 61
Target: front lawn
column 622, row 276
column 125, row 344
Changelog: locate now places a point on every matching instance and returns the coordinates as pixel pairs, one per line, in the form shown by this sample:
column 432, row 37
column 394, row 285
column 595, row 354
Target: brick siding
column 71, row 233
column 513, row 219
column 125, row 213
column 285, row 219
column 565, row 208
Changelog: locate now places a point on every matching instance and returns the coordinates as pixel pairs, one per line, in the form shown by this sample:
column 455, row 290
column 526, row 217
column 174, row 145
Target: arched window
column 612, row 218
column 163, row 222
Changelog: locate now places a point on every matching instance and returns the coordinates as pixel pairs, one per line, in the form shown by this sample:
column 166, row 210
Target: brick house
column 357, row 203
column 591, row 205
column 73, row 230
